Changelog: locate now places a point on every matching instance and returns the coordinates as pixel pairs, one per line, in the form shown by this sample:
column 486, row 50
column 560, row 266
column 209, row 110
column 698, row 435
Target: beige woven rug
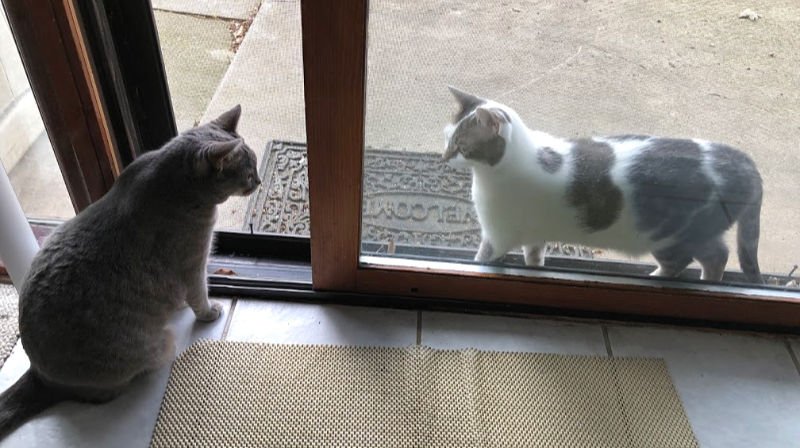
column 233, row 394
column 9, row 330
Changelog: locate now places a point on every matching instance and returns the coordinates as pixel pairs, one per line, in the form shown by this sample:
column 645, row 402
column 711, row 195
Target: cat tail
column 24, row 399
column 747, row 234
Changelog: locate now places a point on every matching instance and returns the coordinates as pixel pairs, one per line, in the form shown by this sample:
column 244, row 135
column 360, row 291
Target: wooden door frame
column 334, row 57
column 334, row 52
column 61, row 74
column 96, row 73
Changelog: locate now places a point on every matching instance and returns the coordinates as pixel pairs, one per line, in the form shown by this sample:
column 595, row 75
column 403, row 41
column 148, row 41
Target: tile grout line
column 607, row 341
column 419, row 327
column 228, row 320
column 792, row 355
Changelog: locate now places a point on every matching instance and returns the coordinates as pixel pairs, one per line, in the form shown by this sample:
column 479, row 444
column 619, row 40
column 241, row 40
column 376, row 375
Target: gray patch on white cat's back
column 669, row 186
column 592, row 191
column 550, row 160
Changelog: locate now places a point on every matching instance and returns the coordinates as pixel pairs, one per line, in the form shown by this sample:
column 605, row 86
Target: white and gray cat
column 637, row 194
column 94, row 308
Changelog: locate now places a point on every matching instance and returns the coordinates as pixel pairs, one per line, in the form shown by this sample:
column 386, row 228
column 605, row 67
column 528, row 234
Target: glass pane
column 584, row 136
column 25, row 152
column 218, row 54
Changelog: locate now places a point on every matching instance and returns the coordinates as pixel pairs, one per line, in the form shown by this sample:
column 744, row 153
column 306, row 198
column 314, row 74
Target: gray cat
column 674, row 198
column 94, row 307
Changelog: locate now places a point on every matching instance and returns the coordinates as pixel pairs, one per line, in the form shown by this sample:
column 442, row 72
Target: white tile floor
column 739, row 390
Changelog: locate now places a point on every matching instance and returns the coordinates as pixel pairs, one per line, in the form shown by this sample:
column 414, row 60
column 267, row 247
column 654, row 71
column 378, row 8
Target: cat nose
column 258, row 180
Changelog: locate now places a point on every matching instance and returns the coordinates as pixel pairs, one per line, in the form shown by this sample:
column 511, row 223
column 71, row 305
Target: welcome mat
column 410, row 198
column 236, row 394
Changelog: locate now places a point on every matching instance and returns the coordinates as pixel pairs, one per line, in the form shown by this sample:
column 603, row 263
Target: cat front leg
column 671, row 261
column 488, row 252
column 205, row 310
column 534, row 254
column 712, row 256
column 485, row 252
column 208, row 313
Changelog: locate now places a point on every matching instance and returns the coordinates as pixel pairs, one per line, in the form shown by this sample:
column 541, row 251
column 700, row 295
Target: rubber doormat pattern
column 237, row 394
column 410, row 198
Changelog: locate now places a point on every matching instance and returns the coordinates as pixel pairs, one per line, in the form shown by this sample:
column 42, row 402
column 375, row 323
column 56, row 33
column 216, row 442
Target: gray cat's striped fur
column 95, row 305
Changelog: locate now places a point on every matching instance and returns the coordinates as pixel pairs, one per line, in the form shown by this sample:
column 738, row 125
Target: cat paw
column 212, row 314
column 485, row 252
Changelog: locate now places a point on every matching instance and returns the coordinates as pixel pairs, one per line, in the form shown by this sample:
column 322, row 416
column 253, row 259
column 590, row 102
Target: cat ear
column 492, row 117
column 230, row 119
column 217, row 152
column 466, row 100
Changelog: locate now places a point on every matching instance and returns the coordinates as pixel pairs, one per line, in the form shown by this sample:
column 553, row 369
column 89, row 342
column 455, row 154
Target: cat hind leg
column 712, row 256
column 534, row 254
column 671, row 261
column 163, row 352
column 488, row 251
